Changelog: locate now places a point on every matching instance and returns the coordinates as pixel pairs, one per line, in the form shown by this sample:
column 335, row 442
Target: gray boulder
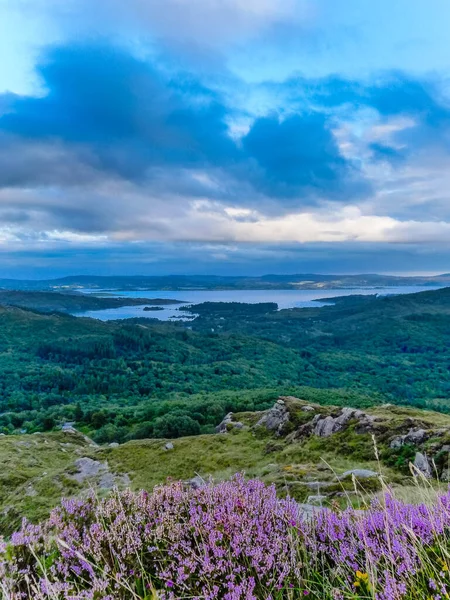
column 223, row 425
column 358, row 473
column 196, row 482
column 275, row 418
column 316, row 500
column 445, row 475
column 317, row 485
column 415, row 437
column 326, row 426
column 228, row 423
column 169, row 446
column 397, row 442
column 422, row 464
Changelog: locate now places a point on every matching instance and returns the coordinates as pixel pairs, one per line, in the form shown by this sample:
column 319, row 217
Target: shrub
column 233, row 541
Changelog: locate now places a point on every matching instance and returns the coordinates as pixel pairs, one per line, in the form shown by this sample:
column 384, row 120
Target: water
column 284, row 299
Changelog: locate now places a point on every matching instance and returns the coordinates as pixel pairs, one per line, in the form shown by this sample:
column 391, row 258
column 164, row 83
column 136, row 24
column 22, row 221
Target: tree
column 79, row 414
column 173, row 426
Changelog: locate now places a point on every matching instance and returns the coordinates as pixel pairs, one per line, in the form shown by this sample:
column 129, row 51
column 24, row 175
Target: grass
column 32, row 478
column 37, row 470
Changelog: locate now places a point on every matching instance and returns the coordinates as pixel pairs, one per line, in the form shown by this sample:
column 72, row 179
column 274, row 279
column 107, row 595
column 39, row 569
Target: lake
column 284, row 299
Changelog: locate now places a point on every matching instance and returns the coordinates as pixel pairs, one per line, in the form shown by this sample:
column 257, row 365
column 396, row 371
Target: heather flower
column 235, row 541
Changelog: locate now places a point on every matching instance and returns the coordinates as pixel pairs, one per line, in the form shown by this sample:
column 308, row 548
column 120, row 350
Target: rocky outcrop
column 392, row 428
column 326, row 426
column 276, row 418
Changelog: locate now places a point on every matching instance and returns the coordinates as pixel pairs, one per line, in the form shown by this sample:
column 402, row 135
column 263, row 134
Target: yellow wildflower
column 361, row 579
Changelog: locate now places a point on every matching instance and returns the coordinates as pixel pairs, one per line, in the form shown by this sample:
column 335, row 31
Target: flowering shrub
column 234, row 541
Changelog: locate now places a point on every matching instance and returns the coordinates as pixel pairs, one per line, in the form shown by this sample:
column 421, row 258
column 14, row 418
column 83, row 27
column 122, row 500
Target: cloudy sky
column 224, row 136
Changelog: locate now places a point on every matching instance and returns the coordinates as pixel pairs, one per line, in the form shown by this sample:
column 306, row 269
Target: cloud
column 298, row 154
column 121, row 148
column 120, row 113
column 208, row 23
column 107, row 114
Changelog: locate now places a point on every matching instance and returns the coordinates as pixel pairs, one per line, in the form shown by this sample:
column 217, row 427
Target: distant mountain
column 308, row 281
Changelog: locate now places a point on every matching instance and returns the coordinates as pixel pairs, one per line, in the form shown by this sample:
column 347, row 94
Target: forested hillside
column 216, row 282
column 142, row 378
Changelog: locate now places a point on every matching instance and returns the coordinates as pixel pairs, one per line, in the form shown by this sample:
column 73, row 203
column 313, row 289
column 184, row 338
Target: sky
column 224, row 137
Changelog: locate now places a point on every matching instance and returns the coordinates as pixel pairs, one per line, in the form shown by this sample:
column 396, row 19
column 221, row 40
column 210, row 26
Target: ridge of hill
column 216, row 282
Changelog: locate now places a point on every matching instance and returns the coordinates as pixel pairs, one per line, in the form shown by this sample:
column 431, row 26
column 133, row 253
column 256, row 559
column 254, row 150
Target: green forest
column 141, row 378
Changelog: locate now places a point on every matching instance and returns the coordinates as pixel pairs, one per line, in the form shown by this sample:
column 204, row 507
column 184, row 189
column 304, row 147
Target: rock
column 318, row 485
column 113, row 445
column 88, row 468
column 68, row 426
column 326, row 426
column 275, row 418
column 445, row 475
column 308, row 408
column 358, row 473
column 397, row 442
column 98, row 473
column 422, row 464
column 69, row 429
column 309, row 511
column 223, row 425
column 415, row 437
column 107, row 481
column 30, row 491
column 445, row 448
column 227, row 424
column 169, row 446
column 196, row 482
column 316, row 500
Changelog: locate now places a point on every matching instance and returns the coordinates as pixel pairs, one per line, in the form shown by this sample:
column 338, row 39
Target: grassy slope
column 37, row 469
column 33, row 474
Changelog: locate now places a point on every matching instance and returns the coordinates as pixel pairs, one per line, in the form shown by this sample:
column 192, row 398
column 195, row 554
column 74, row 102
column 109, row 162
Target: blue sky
column 224, row 136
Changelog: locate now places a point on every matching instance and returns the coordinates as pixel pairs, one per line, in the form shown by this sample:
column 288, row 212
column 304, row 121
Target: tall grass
column 235, row 540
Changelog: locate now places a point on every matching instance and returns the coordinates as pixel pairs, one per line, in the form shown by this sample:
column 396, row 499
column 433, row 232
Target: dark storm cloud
column 107, row 112
column 124, row 111
column 299, row 152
